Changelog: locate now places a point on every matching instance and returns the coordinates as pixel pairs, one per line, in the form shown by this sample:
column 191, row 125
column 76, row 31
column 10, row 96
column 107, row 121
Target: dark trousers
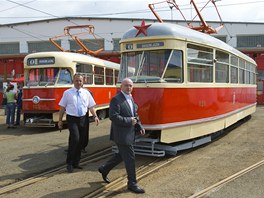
column 126, row 153
column 86, row 134
column 77, row 129
column 18, row 114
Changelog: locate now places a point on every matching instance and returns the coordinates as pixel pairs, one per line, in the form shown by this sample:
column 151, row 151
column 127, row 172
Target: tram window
column 48, row 76
column 247, row 77
column 249, row 73
column 153, row 63
column 252, row 79
column 234, row 69
column 146, row 66
column 200, row 63
column 65, row 77
column 42, row 76
column 98, row 75
column 87, row 78
column 33, row 77
column 174, row 71
column 241, row 76
column 222, row 67
column 87, row 71
column 242, row 71
column 200, row 73
column 109, row 76
column 234, row 74
column 241, row 63
column 234, row 60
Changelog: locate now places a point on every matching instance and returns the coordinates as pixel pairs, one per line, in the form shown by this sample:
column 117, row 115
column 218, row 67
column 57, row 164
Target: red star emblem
column 142, row 28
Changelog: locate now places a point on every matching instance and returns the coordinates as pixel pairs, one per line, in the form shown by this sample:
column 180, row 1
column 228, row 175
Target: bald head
column 127, row 86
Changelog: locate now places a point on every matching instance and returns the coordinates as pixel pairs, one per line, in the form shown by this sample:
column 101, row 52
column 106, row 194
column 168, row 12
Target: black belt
column 75, row 116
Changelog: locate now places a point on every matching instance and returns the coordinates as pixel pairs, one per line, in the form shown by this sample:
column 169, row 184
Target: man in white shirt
column 75, row 102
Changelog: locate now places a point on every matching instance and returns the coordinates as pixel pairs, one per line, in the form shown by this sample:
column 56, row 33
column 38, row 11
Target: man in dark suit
column 123, row 114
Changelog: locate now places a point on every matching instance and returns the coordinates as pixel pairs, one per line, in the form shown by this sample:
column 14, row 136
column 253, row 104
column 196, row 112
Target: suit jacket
column 122, row 130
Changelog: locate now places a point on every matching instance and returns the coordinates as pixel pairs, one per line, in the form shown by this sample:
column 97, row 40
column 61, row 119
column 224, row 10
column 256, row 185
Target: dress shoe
column 69, row 168
column 104, row 175
column 136, row 189
column 77, row 167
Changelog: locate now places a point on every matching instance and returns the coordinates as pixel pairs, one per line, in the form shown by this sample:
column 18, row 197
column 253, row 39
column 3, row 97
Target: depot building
column 103, row 34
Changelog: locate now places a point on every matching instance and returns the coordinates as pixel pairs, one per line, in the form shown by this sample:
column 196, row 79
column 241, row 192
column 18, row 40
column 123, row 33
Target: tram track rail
column 142, row 171
column 225, row 181
column 98, row 155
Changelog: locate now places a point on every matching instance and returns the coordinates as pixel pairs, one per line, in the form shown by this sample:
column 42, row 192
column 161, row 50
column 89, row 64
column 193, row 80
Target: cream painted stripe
column 190, row 85
column 41, row 99
column 198, row 121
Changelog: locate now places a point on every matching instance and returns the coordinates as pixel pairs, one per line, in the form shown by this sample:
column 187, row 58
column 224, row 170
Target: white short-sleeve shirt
column 69, row 101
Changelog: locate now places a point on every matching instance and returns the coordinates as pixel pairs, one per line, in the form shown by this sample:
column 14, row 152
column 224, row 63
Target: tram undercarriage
column 152, row 144
column 39, row 119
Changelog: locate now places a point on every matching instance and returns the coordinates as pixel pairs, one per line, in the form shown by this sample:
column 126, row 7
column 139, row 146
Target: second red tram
column 49, row 74
column 188, row 85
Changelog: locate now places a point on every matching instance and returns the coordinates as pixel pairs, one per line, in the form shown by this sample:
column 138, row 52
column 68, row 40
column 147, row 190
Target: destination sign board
column 150, row 45
column 40, row 61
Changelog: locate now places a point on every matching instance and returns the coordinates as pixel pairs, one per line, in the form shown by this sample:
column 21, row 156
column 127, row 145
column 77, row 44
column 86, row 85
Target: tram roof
column 75, row 57
column 184, row 33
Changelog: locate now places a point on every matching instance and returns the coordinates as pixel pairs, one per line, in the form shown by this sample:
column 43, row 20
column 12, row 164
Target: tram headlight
column 36, row 99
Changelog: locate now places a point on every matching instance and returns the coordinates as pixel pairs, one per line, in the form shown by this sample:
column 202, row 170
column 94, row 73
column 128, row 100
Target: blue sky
column 12, row 11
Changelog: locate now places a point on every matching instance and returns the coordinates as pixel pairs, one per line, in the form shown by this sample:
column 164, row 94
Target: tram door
column 260, row 93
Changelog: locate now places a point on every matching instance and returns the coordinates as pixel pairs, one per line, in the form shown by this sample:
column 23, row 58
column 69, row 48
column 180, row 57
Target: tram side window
column 222, row 67
column 87, row 72
column 241, row 71
column 234, row 69
column 109, row 76
column 248, row 67
column 65, row 77
column 98, row 75
column 174, row 71
column 200, row 63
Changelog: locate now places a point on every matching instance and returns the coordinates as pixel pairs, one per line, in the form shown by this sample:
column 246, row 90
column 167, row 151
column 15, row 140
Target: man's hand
column 142, row 132
column 134, row 121
column 96, row 119
column 60, row 125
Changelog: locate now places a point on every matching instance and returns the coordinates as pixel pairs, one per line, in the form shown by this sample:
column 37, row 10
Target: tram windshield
column 152, row 66
column 48, row 76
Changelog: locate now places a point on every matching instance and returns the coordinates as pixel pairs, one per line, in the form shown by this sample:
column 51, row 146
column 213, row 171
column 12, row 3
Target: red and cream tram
column 49, row 74
column 188, row 85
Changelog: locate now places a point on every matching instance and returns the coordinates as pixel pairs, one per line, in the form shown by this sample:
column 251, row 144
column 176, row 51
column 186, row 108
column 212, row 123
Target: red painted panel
column 102, row 95
column 160, row 106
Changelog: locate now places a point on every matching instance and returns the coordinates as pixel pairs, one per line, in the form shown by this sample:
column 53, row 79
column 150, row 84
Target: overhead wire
column 161, row 9
column 16, row 6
